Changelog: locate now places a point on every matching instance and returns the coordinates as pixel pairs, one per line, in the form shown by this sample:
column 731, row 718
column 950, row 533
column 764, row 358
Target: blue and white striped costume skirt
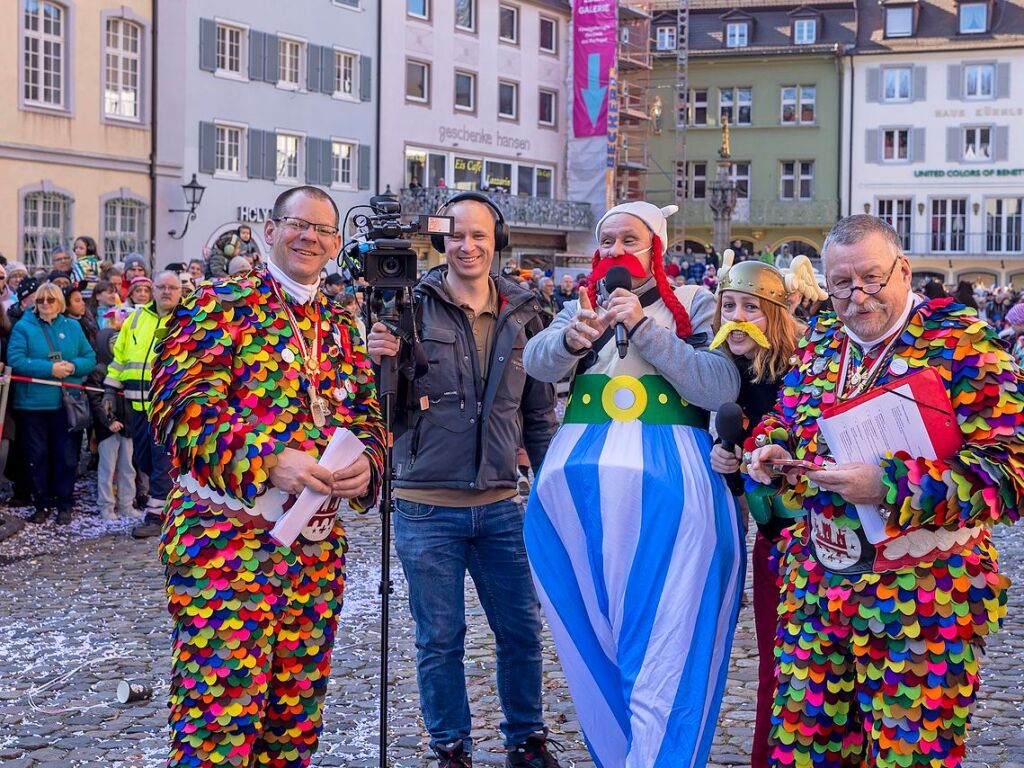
column 637, row 553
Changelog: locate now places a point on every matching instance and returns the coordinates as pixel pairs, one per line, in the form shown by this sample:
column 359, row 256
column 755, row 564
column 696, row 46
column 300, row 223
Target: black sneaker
column 63, row 516
column 40, row 516
column 533, row 753
column 149, row 527
column 453, row 755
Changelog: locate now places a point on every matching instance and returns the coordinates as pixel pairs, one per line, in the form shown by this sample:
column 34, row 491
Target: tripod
column 401, row 321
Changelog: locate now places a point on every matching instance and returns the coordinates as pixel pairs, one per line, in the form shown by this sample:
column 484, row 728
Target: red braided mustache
column 600, row 266
column 627, row 260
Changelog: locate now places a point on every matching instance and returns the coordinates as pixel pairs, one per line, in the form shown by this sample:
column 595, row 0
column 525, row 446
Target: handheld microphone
column 729, row 425
column 619, row 277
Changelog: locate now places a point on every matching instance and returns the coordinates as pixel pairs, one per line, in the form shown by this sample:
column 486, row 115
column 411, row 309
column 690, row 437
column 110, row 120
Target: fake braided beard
column 748, row 328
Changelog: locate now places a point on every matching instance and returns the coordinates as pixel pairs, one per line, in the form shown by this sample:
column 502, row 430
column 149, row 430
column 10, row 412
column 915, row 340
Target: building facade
column 773, row 72
column 936, row 134
column 474, row 98
column 254, row 98
column 75, row 127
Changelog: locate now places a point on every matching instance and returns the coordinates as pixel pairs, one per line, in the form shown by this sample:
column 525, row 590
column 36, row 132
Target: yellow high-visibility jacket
column 131, row 370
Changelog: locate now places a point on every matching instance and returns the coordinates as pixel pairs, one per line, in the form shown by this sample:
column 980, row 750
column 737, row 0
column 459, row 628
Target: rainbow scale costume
column 254, row 621
column 879, row 665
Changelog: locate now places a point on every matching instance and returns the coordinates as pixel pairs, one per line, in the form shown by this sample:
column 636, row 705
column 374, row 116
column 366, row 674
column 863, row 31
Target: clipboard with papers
column 912, row 414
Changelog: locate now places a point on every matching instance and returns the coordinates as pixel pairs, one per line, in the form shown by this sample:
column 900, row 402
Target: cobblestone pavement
column 84, row 608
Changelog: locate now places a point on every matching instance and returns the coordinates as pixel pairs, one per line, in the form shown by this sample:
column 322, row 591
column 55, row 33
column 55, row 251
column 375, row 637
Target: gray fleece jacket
column 705, row 378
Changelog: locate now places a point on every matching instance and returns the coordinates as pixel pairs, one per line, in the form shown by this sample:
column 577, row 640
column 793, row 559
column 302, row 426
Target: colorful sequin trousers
column 254, row 624
column 879, row 667
column 881, row 670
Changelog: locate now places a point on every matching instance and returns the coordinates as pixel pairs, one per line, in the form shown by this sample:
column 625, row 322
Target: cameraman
column 456, row 434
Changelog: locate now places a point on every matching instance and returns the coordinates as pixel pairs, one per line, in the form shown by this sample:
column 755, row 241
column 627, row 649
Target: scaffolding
column 635, row 103
column 677, row 13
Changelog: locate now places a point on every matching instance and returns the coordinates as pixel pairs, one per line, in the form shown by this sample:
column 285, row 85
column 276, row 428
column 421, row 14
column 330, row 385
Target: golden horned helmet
column 764, row 281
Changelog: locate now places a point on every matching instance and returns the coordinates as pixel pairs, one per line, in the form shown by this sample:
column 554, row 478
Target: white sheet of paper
column 866, row 432
column 343, row 449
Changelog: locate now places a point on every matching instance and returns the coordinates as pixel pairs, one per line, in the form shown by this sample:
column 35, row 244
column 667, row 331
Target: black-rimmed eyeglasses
column 868, row 289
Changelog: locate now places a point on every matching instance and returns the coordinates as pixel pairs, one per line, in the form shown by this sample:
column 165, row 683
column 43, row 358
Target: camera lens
column 390, row 266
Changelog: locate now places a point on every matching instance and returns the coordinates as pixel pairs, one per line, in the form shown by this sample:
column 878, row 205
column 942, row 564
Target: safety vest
column 133, row 355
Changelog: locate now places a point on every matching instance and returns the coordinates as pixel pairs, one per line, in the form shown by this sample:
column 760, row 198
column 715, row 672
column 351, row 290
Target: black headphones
column 501, row 237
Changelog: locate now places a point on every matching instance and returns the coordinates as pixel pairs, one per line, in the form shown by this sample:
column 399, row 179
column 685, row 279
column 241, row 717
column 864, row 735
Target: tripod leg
column 388, row 387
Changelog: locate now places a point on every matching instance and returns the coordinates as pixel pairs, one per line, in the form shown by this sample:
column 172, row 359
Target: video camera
column 381, row 251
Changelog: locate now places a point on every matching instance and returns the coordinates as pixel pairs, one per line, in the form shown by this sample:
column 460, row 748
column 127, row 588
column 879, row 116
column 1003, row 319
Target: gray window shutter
column 207, row 147
column 257, row 54
column 313, row 63
column 256, row 139
column 270, row 63
column 327, row 162
column 917, row 145
column 953, row 144
column 1002, row 143
column 327, row 69
column 207, row 45
column 872, row 145
column 269, row 155
column 954, row 82
column 918, row 91
column 313, row 156
column 365, row 78
column 874, row 84
column 364, row 166
column 1003, row 81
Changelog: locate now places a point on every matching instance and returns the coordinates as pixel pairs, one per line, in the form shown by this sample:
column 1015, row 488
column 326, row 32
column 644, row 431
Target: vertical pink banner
column 593, row 56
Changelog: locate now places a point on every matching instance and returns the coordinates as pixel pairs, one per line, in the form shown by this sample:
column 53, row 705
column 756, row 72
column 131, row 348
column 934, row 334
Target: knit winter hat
column 239, row 265
column 139, row 280
column 26, row 288
column 652, row 216
column 57, row 274
column 134, row 260
column 1016, row 314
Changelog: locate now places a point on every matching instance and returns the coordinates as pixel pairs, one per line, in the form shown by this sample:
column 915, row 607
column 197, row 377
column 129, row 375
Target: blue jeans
column 436, row 546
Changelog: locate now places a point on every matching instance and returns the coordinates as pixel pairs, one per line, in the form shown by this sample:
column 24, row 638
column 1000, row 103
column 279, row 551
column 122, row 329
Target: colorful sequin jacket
column 981, row 485
column 228, row 394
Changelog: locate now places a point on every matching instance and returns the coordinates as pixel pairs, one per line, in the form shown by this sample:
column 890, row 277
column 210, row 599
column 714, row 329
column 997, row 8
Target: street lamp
column 193, row 197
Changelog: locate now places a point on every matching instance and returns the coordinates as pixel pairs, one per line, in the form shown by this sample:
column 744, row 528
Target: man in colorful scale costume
column 253, row 377
column 878, row 645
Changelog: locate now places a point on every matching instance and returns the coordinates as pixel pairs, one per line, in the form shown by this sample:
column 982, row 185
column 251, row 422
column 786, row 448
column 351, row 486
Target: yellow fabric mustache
column 748, row 328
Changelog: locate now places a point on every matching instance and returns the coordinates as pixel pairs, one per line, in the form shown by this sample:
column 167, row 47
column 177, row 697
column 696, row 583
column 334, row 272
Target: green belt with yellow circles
column 598, row 399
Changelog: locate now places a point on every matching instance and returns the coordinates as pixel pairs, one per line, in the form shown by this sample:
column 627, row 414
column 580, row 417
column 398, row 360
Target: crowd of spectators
column 58, row 326
column 61, row 329
column 82, row 328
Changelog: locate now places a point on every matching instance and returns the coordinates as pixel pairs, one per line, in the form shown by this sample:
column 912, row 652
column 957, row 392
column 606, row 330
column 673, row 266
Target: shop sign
column 985, row 111
column 968, row 173
column 253, row 214
column 487, row 138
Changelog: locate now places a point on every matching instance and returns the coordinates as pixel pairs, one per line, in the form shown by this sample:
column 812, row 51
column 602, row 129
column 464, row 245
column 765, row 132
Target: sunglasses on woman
column 46, row 300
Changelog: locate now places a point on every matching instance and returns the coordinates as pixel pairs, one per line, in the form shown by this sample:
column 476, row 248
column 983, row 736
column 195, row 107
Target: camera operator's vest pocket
column 446, row 381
